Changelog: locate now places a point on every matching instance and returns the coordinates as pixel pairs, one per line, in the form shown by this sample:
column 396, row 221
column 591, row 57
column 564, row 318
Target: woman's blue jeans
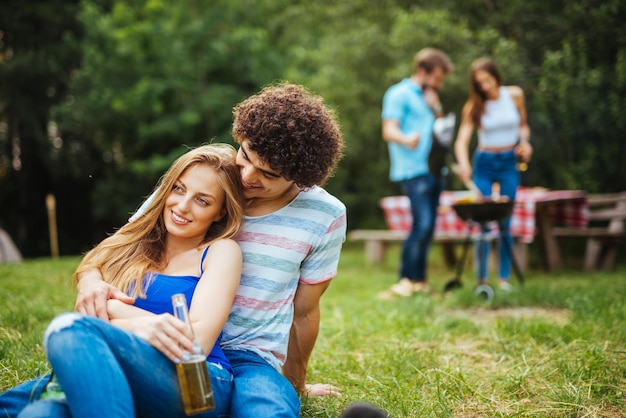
column 423, row 193
column 106, row 371
column 489, row 168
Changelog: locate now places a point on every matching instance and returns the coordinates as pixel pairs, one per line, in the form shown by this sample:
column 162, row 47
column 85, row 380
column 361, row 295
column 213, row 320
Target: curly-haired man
column 291, row 239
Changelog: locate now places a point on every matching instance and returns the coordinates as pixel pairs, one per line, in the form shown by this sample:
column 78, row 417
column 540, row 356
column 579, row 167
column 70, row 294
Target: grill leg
column 466, row 245
column 455, row 283
column 508, row 249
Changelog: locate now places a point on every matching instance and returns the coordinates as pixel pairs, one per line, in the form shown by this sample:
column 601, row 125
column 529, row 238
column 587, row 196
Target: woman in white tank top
column 498, row 114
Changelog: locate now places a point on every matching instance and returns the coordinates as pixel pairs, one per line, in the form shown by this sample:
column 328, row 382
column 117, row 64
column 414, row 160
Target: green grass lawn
column 554, row 348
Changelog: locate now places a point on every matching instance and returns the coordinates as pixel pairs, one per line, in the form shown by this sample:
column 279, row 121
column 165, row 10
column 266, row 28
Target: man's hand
column 322, row 389
column 93, row 293
column 393, row 133
column 411, row 141
column 431, row 97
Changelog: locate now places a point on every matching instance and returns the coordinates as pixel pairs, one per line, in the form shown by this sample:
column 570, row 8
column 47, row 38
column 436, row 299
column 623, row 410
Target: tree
column 157, row 76
column 354, row 60
column 38, row 51
column 571, row 65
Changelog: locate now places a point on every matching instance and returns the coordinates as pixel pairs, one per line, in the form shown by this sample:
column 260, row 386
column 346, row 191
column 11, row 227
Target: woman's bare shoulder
column 516, row 92
column 224, row 244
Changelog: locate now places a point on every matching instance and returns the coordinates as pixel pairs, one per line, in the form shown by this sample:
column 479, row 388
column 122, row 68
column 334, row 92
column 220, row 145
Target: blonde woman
column 183, row 243
column 289, row 145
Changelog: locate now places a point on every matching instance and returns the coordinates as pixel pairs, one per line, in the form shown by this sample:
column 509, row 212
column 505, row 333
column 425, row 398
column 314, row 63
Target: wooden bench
column 377, row 240
column 607, row 216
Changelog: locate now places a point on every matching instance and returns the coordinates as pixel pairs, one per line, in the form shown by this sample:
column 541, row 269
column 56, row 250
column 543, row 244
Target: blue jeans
column 423, row 193
column 13, row 401
column 489, row 168
column 106, row 371
column 260, row 390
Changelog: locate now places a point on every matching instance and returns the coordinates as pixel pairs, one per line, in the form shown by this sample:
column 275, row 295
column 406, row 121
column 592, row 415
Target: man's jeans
column 490, row 168
column 423, row 193
column 107, row 371
column 260, row 390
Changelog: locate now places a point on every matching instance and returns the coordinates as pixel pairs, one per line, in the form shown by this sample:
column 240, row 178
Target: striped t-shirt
column 300, row 242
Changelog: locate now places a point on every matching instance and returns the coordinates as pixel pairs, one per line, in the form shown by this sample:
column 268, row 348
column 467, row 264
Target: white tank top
column 500, row 122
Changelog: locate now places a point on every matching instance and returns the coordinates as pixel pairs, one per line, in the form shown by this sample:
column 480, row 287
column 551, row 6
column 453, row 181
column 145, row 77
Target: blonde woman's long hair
column 139, row 246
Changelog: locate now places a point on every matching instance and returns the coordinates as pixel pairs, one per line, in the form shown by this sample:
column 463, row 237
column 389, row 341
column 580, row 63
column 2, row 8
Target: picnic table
column 604, row 231
column 536, row 212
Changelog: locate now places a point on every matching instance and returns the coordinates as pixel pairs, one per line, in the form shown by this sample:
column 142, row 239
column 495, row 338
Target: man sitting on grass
column 291, row 239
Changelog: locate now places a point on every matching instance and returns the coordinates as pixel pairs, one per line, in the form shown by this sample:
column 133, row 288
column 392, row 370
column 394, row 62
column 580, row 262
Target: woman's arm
column 164, row 332
column 461, row 146
column 210, row 306
column 119, row 311
column 93, row 294
column 215, row 292
column 524, row 149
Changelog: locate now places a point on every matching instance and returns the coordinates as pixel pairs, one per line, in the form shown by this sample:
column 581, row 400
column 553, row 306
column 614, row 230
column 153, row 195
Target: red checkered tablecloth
column 568, row 208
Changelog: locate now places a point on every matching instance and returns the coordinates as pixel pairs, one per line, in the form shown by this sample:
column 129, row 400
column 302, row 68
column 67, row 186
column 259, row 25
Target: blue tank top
column 160, row 288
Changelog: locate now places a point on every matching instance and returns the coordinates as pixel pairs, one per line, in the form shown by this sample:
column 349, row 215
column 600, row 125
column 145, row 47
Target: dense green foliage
column 555, row 348
column 96, row 100
column 38, row 50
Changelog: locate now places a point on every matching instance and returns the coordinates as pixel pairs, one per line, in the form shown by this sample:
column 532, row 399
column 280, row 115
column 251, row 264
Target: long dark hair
column 478, row 97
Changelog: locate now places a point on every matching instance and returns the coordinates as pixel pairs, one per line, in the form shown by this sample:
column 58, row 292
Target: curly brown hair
column 292, row 131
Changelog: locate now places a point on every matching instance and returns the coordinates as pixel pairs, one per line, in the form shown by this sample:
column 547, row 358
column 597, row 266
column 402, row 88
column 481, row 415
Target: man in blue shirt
column 409, row 111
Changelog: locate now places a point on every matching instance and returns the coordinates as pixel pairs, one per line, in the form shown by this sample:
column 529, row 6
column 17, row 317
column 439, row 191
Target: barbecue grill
column 482, row 213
